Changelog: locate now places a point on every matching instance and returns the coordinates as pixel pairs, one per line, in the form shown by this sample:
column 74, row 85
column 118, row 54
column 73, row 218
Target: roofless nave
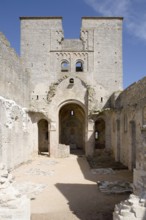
column 64, row 94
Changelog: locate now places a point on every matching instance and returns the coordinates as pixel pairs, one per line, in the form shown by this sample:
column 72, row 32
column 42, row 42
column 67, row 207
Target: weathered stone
column 13, row 205
column 63, row 151
column 30, row 189
column 4, row 173
column 103, row 171
column 114, row 187
column 66, row 108
column 130, row 209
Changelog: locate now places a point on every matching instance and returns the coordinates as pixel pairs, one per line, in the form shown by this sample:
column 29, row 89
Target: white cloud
column 132, row 11
column 109, row 7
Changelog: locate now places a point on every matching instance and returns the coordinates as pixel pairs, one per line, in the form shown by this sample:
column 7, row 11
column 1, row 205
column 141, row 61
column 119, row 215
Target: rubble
column 13, row 205
column 103, row 171
column 133, row 208
column 40, row 172
column 114, row 187
column 30, row 189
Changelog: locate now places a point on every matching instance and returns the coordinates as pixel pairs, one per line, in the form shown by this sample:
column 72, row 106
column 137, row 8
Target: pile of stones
column 13, row 205
column 116, row 187
column 133, row 208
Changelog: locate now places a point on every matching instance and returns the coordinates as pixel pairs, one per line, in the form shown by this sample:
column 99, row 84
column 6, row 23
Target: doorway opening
column 99, row 134
column 72, row 126
column 43, row 136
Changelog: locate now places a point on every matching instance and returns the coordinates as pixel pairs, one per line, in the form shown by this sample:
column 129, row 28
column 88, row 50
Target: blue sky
column 134, row 26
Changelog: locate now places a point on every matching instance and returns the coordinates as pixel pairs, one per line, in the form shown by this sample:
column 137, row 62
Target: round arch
column 72, row 125
column 65, row 66
column 79, row 66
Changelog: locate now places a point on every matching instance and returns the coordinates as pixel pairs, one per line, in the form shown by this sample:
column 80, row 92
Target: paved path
column 65, row 189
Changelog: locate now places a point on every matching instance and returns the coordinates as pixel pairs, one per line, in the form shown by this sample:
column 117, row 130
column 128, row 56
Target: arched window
column 65, row 66
column 79, row 66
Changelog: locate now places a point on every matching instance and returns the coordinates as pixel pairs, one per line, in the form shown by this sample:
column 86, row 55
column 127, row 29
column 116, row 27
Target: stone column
column 89, row 150
column 54, row 139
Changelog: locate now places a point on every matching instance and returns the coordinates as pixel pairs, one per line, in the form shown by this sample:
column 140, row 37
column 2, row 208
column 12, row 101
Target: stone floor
column 66, row 189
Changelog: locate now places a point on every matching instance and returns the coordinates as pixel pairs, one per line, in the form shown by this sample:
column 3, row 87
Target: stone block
column 63, row 151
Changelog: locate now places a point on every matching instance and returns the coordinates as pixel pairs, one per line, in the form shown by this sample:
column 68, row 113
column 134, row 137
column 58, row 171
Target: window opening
column 64, row 66
column 96, row 135
column 72, row 113
column 79, row 66
column 71, row 80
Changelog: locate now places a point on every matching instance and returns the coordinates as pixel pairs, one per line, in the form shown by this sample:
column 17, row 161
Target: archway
column 99, row 134
column 43, row 136
column 72, row 126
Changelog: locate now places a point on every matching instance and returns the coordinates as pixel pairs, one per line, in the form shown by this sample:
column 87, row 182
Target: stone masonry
column 63, row 95
column 13, row 205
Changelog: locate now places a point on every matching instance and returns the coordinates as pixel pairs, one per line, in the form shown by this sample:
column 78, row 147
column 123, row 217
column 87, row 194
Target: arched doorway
column 99, row 134
column 43, row 136
column 72, row 126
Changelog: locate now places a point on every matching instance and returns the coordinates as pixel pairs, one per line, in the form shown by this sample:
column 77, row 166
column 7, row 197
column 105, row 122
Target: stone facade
column 72, row 75
column 66, row 94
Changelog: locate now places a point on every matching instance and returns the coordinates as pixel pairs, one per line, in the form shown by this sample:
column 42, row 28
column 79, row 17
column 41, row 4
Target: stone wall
column 14, row 81
column 128, row 122
column 43, row 49
column 103, row 36
column 39, row 36
column 16, row 134
column 128, row 139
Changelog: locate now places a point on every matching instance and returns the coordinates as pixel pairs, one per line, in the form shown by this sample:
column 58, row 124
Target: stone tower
column 72, row 80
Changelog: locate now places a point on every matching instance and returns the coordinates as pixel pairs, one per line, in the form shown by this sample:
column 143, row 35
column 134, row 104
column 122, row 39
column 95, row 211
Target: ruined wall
column 16, row 128
column 14, row 80
column 128, row 129
column 16, row 134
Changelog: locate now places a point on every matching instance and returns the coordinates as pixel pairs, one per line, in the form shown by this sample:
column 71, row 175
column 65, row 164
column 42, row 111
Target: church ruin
column 66, row 94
